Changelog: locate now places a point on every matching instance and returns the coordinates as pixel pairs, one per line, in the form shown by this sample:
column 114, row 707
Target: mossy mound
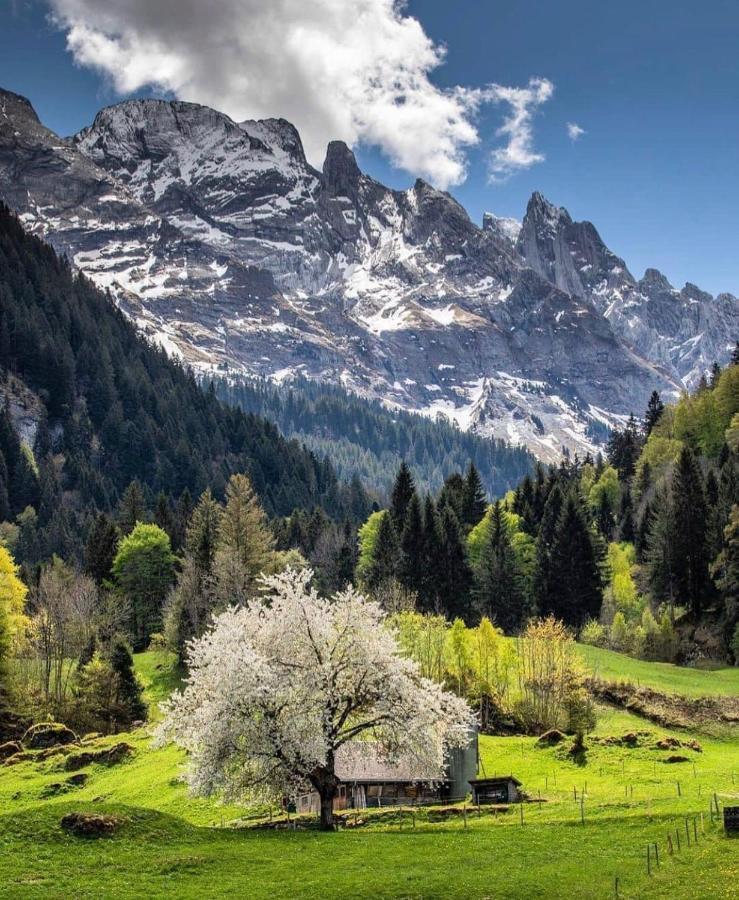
column 44, row 735
column 91, row 825
column 551, row 738
column 8, row 749
column 106, row 756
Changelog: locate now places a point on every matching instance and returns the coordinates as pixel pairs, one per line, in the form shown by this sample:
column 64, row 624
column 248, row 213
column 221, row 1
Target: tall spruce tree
column 100, row 549
column 474, row 504
column 403, row 490
column 574, row 583
column 658, row 551
column 544, row 544
column 499, row 588
column 132, row 508
column 689, row 533
column 430, row 598
column 655, row 409
column 129, row 701
column 454, row 575
column 412, row 564
column 385, row 556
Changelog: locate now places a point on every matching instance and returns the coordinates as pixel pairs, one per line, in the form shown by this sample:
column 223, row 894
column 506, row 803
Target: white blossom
column 278, row 685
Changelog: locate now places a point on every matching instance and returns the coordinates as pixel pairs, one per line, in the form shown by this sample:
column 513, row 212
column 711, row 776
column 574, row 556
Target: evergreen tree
column 655, row 409
column 544, row 544
column 243, row 530
column 128, row 697
column 689, row 533
column 658, row 549
column 725, row 571
column 735, row 355
column 623, row 449
column 132, row 508
column 499, row 582
column 412, row 564
column 574, row 582
column 384, row 563
column 604, row 519
column 715, row 374
column 201, row 539
column 475, row 501
column 164, row 516
column 429, row 596
column 626, row 527
column 454, row 575
column 403, row 490
column 100, row 549
column 452, row 495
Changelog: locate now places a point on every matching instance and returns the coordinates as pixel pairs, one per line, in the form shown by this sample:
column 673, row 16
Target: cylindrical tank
column 462, row 766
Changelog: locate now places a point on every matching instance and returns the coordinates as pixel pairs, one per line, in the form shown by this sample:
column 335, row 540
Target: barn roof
column 363, row 761
column 502, row 779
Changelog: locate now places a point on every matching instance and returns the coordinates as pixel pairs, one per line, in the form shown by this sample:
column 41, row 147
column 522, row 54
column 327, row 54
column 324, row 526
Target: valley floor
column 174, row 846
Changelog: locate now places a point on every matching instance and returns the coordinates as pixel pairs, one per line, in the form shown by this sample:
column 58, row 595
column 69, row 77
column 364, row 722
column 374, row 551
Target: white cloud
column 574, row 131
column 355, row 70
column 518, row 151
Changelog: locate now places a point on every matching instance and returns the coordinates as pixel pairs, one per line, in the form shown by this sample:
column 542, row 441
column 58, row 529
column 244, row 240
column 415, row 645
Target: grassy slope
column 169, row 846
column 611, row 666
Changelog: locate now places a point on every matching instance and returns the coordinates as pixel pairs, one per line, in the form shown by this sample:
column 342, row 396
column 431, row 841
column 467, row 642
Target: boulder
column 48, row 734
column 676, row 758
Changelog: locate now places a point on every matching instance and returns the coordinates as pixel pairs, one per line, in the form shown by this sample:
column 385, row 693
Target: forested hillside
column 365, row 438
column 638, row 552
column 90, row 408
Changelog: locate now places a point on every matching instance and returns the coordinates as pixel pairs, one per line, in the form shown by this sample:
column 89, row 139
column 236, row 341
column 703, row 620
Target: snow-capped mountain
column 231, row 250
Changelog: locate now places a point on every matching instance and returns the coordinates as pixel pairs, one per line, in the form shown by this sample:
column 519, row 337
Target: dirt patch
column 676, row 758
column 631, row 739
column 107, row 756
column 62, row 787
column 91, row 824
column 668, row 710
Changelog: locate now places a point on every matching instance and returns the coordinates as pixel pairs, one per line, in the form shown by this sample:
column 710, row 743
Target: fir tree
column 689, row 533
column 132, row 508
column 128, row 689
column 201, row 539
column 412, row 568
column 658, row 549
column 100, row 549
column 454, row 575
column 655, row 409
column 626, row 527
column 403, row 490
column 429, row 597
column 499, row 583
column 544, row 543
column 384, row 563
column 574, row 583
column 475, row 502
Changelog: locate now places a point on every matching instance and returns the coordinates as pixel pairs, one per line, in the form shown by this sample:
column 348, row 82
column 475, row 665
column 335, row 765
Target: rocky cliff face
column 228, row 248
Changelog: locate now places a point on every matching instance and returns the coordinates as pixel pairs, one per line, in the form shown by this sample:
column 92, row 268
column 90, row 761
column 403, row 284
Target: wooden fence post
column 649, row 859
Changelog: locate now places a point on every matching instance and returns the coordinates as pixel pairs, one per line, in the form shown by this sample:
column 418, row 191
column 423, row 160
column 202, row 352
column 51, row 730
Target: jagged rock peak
column 340, row 168
column 12, row 105
column 276, row 132
column 541, row 210
column 654, row 279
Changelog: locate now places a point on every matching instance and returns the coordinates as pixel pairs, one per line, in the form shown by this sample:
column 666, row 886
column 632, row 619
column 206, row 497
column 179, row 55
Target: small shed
column 496, row 790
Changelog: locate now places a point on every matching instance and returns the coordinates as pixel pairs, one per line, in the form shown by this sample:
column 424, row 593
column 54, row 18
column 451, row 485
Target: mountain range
column 225, row 246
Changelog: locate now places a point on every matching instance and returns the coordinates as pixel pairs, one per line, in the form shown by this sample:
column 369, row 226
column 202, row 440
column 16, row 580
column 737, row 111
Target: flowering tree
column 277, row 686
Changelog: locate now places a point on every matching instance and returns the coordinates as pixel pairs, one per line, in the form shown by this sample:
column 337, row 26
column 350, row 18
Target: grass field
column 173, row 845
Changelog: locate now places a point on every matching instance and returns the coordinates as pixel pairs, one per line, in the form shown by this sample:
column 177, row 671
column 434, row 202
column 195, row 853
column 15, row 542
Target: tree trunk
column 327, row 784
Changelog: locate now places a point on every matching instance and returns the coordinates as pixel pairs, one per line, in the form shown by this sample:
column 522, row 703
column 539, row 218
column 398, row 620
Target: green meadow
column 588, row 823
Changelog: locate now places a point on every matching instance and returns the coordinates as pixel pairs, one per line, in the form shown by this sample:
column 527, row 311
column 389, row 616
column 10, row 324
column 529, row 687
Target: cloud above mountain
column 356, row 70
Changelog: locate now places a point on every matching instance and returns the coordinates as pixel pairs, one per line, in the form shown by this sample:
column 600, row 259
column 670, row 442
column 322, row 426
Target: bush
column 594, row 633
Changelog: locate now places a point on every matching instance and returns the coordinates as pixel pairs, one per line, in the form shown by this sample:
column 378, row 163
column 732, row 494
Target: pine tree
column 735, row 355
column 499, row 582
column 455, row 577
column 429, row 597
column 574, row 584
column 163, row 515
column 100, row 549
column 544, row 543
column 452, row 495
column 725, row 571
column 659, row 550
column 689, row 533
column 626, row 527
column 412, row 567
column 623, row 449
column 243, row 529
column 655, row 409
column 403, row 490
column 384, row 563
column 132, row 508
column 715, row 374
column 475, row 502
column 201, row 539
column 604, row 520
column 128, row 689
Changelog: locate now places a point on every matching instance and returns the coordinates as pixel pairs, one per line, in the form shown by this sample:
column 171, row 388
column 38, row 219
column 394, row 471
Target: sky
column 625, row 113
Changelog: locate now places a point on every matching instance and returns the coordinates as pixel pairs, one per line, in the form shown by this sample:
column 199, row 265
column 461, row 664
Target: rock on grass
column 48, row 734
column 91, row 824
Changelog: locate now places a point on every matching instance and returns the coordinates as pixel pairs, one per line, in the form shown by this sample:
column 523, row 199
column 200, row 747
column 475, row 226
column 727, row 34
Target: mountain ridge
column 229, row 249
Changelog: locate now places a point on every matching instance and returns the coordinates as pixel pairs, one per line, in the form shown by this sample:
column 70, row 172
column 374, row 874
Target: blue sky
column 654, row 85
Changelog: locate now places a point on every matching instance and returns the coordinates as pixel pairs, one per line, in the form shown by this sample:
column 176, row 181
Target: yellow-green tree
column 12, row 619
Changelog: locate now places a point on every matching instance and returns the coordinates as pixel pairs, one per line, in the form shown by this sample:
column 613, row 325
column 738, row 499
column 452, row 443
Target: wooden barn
column 370, row 780
column 496, row 790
